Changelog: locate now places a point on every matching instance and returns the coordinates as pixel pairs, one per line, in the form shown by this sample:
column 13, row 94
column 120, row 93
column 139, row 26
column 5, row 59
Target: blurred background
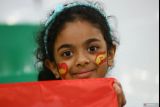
column 137, row 57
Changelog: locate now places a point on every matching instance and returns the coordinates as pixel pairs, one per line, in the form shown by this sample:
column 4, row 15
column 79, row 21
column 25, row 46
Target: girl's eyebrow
column 64, row 46
column 71, row 46
column 92, row 40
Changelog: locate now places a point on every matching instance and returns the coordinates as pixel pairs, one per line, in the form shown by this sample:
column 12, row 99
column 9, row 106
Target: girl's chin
column 85, row 75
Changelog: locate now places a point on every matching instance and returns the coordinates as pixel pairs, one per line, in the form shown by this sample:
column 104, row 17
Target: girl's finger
column 120, row 94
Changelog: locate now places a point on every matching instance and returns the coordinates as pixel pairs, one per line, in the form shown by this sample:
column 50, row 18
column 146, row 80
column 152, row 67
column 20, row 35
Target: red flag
column 62, row 93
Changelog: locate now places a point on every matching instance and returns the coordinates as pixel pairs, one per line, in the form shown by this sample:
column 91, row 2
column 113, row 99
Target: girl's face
column 80, row 52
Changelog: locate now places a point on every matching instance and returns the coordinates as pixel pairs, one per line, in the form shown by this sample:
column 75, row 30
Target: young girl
column 77, row 43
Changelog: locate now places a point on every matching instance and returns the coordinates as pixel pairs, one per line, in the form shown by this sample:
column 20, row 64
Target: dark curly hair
column 79, row 12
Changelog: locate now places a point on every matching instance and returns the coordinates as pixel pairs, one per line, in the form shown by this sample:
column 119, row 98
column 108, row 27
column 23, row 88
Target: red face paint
column 63, row 69
column 101, row 58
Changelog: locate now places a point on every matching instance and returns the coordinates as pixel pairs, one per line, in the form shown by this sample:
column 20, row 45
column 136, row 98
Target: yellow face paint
column 101, row 58
column 63, row 69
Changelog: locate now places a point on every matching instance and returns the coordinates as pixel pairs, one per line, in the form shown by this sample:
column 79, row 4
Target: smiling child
column 77, row 43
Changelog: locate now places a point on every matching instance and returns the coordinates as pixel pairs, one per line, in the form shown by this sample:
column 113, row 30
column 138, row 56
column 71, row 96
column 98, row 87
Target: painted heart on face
column 101, row 58
column 63, row 69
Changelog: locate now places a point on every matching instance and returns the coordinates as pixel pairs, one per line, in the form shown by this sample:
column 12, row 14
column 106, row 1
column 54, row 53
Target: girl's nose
column 82, row 59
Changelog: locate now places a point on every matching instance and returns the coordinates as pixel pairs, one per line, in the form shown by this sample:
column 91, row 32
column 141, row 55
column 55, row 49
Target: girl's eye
column 93, row 49
column 67, row 54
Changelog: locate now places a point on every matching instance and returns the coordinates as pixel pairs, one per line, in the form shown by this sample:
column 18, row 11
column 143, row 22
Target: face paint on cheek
column 101, row 58
column 101, row 61
column 63, row 69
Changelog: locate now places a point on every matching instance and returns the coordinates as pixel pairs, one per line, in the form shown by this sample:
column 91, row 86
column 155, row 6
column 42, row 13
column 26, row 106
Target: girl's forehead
column 77, row 34
column 79, row 29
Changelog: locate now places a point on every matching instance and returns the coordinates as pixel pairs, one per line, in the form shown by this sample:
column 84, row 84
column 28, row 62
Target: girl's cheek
column 63, row 69
column 101, row 58
column 101, row 62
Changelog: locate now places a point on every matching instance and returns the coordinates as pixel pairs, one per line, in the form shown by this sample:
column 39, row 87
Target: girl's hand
column 121, row 97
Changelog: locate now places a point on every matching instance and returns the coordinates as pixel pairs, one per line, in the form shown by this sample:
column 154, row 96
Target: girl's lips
column 83, row 74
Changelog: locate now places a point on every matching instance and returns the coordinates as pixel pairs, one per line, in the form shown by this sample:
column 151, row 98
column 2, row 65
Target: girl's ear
column 52, row 67
column 111, row 55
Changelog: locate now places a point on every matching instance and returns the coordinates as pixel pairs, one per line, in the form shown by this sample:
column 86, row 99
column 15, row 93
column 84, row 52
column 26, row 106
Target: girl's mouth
column 83, row 74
